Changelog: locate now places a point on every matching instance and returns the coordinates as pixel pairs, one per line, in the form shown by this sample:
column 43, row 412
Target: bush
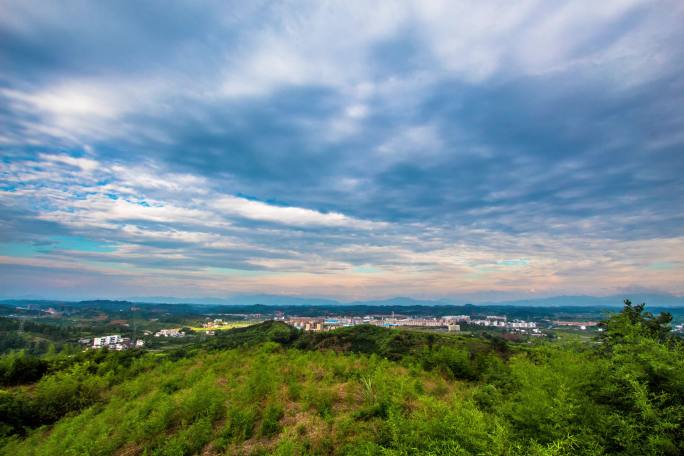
column 240, row 424
column 19, row 367
column 270, row 424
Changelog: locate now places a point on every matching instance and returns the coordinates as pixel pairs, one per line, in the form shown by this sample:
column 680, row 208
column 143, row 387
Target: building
column 112, row 342
column 522, row 324
column 172, row 332
column 107, row 341
column 124, row 345
column 464, row 318
column 578, row 324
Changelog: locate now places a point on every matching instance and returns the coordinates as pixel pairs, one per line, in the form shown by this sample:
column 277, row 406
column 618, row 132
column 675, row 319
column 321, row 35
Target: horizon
column 269, row 300
column 439, row 151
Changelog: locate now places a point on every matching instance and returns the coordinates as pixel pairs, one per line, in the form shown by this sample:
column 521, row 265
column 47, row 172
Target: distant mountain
column 280, row 300
column 400, row 301
column 652, row 299
column 174, row 300
column 241, row 300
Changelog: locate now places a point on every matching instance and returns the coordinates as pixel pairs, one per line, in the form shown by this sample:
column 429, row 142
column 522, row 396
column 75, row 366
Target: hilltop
column 272, row 389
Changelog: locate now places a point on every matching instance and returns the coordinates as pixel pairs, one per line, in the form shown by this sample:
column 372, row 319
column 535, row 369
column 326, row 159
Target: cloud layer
column 432, row 149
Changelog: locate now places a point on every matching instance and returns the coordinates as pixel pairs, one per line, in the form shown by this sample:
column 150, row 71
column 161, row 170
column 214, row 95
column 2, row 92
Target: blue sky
column 434, row 149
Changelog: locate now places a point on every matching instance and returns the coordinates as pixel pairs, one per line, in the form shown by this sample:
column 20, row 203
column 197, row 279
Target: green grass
column 238, row 399
column 270, row 389
column 225, row 326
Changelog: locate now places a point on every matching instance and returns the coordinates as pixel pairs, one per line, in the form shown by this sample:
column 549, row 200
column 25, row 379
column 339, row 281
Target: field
column 225, row 326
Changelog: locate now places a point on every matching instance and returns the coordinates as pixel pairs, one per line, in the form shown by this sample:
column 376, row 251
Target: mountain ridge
column 616, row 300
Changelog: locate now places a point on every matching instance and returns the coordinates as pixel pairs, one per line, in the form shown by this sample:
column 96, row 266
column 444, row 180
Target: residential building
column 107, row 341
column 172, row 332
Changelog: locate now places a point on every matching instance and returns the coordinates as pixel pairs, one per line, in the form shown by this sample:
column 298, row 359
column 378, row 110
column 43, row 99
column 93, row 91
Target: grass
column 226, row 326
column 238, row 400
column 270, row 389
column 245, row 392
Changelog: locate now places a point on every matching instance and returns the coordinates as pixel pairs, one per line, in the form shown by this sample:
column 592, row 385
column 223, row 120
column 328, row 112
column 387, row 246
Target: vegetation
column 270, row 389
column 33, row 337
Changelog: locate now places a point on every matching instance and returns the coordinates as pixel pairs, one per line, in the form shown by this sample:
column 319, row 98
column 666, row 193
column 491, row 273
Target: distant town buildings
column 115, row 342
column 501, row 322
column 172, row 332
column 457, row 318
column 450, row 323
column 217, row 322
column 582, row 325
column 107, row 341
column 112, row 342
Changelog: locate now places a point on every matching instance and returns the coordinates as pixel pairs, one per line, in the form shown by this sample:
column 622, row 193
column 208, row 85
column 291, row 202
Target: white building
column 464, row 318
column 523, row 324
column 107, row 341
column 173, row 332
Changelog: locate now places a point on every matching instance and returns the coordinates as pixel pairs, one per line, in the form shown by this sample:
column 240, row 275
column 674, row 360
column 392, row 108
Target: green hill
column 270, row 389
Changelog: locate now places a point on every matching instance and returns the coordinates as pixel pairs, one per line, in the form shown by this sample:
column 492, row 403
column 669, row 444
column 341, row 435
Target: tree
column 633, row 321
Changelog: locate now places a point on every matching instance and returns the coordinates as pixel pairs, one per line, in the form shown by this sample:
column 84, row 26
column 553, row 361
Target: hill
column 270, row 389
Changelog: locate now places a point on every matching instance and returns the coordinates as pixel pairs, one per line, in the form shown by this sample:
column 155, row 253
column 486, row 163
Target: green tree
column 633, row 321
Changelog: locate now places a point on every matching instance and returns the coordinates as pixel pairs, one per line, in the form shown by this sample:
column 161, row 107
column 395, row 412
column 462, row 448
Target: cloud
column 288, row 215
column 85, row 164
column 439, row 144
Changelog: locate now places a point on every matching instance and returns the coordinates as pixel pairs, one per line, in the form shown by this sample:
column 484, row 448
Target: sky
column 459, row 150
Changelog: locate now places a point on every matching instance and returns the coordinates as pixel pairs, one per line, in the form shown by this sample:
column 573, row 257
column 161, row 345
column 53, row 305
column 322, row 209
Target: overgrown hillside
column 270, row 389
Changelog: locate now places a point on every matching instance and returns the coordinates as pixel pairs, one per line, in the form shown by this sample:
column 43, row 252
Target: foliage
column 269, row 331
column 634, row 322
column 19, row 367
column 270, row 389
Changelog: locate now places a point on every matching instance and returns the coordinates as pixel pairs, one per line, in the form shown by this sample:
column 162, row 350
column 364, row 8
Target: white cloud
column 85, row 164
column 288, row 215
column 322, row 44
column 357, row 111
column 141, row 177
column 334, row 45
column 412, row 142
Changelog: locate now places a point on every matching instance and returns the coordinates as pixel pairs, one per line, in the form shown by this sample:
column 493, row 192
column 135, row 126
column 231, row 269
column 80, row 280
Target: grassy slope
column 268, row 389
column 247, row 394
column 250, row 401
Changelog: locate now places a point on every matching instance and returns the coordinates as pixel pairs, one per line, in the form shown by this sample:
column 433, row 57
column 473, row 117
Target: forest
column 364, row 390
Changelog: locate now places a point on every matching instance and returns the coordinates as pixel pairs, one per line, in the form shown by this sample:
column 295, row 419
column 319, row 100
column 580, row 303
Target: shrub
column 240, row 424
column 270, row 424
column 19, row 367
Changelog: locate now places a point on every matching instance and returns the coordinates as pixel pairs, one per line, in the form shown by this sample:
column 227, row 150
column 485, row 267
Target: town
column 449, row 323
